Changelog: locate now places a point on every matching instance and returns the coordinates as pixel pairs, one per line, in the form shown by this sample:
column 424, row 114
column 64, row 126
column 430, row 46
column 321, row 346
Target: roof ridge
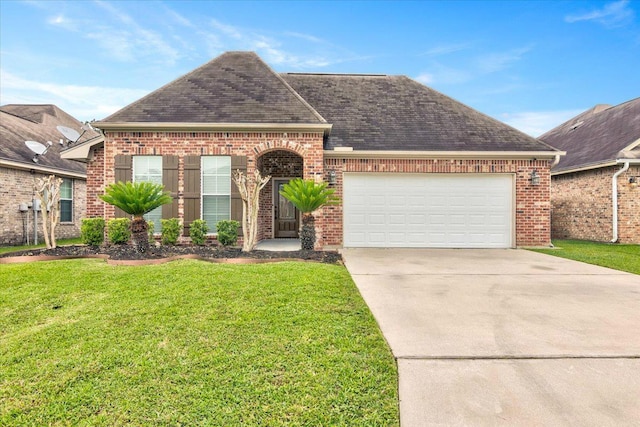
column 293, row 92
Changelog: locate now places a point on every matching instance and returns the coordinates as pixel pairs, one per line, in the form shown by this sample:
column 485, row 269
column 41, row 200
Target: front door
column 286, row 215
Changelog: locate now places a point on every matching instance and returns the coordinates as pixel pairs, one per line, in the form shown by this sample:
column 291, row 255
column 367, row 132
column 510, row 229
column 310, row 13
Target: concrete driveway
column 505, row 337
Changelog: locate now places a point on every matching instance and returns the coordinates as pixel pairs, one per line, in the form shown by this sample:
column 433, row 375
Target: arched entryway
column 278, row 217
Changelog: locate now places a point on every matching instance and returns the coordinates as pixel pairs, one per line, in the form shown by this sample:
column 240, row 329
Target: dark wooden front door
column 286, row 218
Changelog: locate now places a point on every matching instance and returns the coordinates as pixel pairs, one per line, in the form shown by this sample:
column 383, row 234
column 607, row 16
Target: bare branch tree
column 48, row 191
column 249, row 188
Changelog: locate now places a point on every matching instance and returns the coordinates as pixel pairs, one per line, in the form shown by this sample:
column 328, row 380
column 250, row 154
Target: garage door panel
column 428, row 210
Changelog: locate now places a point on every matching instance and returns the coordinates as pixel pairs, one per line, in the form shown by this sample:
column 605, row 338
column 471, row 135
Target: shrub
column 151, row 227
column 118, row 230
column 170, row 231
column 92, row 231
column 198, row 232
column 228, row 232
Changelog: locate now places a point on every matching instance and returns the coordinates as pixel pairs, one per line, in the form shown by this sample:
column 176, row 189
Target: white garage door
column 437, row 211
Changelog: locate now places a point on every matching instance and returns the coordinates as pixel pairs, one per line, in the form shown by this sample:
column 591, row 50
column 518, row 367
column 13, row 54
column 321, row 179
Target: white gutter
column 555, row 162
column 614, row 197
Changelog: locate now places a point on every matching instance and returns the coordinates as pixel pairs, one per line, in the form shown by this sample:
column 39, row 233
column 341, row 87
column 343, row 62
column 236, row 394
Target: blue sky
column 532, row 65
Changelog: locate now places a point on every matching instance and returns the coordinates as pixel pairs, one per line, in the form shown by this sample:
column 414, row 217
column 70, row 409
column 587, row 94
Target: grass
column 83, row 343
column 616, row 256
column 61, row 242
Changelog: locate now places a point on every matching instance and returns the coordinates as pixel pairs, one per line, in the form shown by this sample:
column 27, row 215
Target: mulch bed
column 126, row 254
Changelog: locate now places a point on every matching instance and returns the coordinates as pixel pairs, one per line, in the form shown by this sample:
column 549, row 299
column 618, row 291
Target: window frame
column 71, row 183
column 212, row 231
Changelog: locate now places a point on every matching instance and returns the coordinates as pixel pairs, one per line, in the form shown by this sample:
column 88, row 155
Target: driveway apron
column 505, row 337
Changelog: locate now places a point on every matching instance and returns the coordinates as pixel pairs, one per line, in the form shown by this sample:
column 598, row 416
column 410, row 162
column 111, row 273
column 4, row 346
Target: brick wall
column 16, row 186
column 581, row 205
column 262, row 148
column 532, row 214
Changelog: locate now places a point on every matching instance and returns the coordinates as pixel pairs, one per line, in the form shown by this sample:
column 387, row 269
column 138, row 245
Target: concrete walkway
column 505, row 337
column 279, row 245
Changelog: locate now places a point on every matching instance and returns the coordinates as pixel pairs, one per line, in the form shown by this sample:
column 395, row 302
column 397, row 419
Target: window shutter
column 191, row 191
column 170, row 182
column 122, row 168
column 237, row 163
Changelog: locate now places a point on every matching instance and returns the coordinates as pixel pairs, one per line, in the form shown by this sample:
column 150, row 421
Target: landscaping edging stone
column 124, row 255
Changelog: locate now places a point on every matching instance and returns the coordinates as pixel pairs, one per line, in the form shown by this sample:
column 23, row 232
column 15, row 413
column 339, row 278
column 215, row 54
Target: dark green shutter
column 237, row 163
column 122, row 166
column 170, row 182
column 191, row 191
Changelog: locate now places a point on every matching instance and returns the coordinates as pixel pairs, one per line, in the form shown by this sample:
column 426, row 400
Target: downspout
column 614, row 198
column 555, row 162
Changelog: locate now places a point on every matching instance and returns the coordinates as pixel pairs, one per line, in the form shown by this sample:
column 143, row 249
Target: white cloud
column 535, row 123
column 82, row 102
column 497, row 61
column 444, row 75
column 228, row 30
column 306, row 37
column 615, row 14
column 446, row 49
column 425, row 78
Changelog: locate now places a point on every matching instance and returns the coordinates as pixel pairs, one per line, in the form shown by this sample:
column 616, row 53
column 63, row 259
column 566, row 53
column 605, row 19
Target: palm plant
column 308, row 196
column 137, row 199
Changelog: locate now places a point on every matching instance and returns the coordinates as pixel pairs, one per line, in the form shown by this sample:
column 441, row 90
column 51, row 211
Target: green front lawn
column 190, row 343
column 616, row 256
column 61, row 242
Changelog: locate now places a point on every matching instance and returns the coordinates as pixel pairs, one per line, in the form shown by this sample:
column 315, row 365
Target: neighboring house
column 18, row 171
column 412, row 167
column 594, row 189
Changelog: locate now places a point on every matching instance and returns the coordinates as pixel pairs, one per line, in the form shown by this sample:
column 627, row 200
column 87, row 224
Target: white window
column 216, row 190
column 66, row 200
column 149, row 168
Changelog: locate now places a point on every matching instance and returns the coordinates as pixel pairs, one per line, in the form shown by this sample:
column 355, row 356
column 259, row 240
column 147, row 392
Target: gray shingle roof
column 20, row 123
column 236, row 87
column 380, row 112
column 597, row 135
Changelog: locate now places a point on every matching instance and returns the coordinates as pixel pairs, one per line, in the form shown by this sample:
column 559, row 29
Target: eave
column 215, row 127
column 598, row 165
column 43, row 169
column 81, row 151
column 380, row 154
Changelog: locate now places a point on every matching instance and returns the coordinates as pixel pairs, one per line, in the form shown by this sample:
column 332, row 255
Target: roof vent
column 576, row 125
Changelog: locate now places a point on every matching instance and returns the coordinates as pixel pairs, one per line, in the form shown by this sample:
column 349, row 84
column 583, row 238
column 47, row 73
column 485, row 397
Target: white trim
column 42, row 169
column 81, row 151
column 606, row 164
column 219, row 127
column 380, row 154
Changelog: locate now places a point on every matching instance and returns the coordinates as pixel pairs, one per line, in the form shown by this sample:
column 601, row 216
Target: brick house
column 18, row 171
column 412, row 167
column 594, row 189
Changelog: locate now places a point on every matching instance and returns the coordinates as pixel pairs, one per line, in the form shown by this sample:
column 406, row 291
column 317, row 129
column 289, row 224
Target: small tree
column 137, row 199
column 48, row 191
column 249, row 189
column 308, row 196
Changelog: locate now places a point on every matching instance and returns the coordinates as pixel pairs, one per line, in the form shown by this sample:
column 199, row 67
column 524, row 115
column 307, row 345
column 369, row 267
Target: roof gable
column 597, row 136
column 381, row 112
column 20, row 123
column 236, row 87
